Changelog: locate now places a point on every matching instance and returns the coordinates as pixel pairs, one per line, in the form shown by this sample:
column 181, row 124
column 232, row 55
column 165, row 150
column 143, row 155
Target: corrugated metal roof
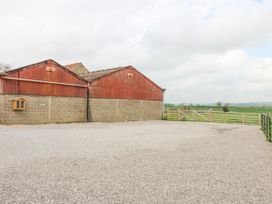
column 100, row 73
column 77, row 68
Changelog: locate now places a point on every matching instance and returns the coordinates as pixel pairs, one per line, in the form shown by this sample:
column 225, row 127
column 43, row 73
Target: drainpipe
column 87, row 109
column 163, row 103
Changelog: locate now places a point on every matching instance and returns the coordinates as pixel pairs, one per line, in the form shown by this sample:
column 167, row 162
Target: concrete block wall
column 50, row 109
column 115, row 110
column 43, row 109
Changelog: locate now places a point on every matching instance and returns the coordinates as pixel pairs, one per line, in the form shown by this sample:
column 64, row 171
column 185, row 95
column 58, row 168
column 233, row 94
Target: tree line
column 4, row 67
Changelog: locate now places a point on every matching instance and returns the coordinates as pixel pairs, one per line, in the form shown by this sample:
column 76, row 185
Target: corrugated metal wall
column 40, row 72
column 1, row 85
column 41, row 89
column 124, row 84
column 121, row 85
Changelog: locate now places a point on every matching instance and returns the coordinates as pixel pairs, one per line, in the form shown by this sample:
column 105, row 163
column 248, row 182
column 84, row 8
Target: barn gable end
column 123, row 94
column 51, row 94
column 47, row 78
column 48, row 70
column 123, row 83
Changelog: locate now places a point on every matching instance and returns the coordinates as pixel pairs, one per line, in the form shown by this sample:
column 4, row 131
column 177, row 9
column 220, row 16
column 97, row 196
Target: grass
column 231, row 108
column 244, row 115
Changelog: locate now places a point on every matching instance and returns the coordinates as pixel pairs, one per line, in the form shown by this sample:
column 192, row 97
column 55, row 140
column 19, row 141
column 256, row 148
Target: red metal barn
column 49, row 92
column 123, row 94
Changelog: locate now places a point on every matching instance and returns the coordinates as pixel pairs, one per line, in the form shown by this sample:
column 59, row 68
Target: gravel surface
column 135, row 162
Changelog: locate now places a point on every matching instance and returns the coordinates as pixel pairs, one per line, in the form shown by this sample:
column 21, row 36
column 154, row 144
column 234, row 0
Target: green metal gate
column 266, row 126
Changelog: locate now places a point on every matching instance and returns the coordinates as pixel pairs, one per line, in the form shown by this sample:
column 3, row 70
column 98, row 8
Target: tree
column 4, row 67
column 219, row 104
column 226, row 107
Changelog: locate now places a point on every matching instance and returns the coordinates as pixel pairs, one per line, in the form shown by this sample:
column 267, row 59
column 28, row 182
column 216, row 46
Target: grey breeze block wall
column 115, row 110
column 43, row 109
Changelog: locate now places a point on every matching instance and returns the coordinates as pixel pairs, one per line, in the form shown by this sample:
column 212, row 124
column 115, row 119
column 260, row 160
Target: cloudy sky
column 200, row 50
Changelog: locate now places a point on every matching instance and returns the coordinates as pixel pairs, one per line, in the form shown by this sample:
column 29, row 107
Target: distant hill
column 249, row 104
column 252, row 104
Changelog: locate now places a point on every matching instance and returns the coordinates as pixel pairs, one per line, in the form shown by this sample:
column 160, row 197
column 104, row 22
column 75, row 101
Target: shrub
column 226, row 108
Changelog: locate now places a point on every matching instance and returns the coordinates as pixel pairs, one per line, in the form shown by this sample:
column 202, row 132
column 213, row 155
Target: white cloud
column 194, row 48
column 232, row 76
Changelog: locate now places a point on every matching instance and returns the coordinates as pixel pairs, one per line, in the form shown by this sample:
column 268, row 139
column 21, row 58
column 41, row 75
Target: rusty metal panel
column 45, row 71
column 1, row 85
column 126, row 84
column 32, row 88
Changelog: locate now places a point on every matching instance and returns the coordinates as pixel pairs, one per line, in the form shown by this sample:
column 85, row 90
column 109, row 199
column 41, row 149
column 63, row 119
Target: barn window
column 130, row 74
column 50, row 69
column 18, row 104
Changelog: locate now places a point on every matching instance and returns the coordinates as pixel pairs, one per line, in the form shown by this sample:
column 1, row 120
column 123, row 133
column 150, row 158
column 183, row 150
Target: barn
column 47, row 92
column 123, row 94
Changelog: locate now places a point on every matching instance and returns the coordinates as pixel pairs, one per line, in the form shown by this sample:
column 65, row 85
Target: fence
column 264, row 120
column 266, row 126
column 213, row 116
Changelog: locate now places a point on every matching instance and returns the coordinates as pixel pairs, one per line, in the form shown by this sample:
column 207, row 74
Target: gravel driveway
column 135, row 162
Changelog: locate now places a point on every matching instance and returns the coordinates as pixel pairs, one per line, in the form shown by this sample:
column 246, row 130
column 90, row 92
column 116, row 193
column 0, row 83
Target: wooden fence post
column 209, row 115
column 261, row 121
column 178, row 114
column 168, row 114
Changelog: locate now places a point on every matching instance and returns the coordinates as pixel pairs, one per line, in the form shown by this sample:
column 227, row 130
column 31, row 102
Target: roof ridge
column 100, row 73
column 101, row 70
column 73, row 64
column 33, row 64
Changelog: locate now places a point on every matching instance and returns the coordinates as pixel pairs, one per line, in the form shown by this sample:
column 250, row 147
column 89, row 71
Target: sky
column 201, row 51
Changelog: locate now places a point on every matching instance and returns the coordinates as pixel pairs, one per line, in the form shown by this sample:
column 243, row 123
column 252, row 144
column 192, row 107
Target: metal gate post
column 269, row 128
column 266, row 125
column 262, row 121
